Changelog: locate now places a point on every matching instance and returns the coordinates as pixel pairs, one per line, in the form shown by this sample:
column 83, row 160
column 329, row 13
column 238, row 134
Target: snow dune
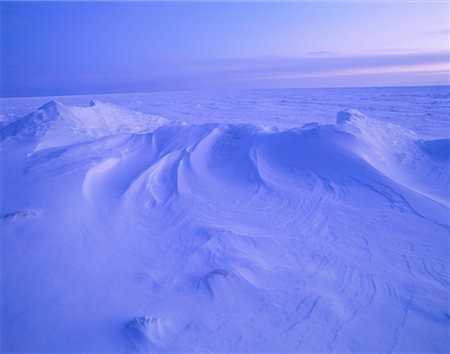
column 56, row 124
column 123, row 231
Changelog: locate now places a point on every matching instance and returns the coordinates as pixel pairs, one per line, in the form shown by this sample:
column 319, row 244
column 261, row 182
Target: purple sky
column 51, row 48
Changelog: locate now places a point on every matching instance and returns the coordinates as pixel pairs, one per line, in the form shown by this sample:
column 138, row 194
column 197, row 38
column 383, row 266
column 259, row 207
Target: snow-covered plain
column 266, row 220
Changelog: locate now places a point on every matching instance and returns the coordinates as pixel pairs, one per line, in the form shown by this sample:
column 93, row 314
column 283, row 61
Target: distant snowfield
column 152, row 222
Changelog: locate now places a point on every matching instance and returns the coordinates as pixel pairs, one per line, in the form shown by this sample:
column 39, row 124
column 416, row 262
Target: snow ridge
column 57, row 124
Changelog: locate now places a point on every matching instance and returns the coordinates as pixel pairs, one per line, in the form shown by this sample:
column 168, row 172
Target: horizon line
column 229, row 89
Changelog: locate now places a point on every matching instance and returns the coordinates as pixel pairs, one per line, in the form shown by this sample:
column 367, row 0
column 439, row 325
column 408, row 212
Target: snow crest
column 56, row 124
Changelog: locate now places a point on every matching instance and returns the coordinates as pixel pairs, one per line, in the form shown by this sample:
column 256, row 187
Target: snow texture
column 127, row 230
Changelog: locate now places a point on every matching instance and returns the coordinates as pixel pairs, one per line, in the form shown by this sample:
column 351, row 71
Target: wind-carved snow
column 400, row 154
column 56, row 124
column 125, row 232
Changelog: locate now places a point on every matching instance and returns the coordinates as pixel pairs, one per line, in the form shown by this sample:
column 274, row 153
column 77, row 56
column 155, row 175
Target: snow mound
column 241, row 159
column 400, row 154
column 234, row 237
column 56, row 124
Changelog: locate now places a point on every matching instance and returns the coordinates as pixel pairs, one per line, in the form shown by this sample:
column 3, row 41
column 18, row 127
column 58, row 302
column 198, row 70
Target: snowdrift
column 56, row 124
column 125, row 232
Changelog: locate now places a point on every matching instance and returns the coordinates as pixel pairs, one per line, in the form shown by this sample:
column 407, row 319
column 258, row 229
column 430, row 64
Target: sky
column 63, row 48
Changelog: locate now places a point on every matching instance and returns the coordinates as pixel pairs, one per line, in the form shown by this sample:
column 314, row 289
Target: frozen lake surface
column 267, row 220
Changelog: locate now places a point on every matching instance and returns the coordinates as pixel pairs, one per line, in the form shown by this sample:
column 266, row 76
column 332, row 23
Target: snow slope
column 56, row 124
column 122, row 231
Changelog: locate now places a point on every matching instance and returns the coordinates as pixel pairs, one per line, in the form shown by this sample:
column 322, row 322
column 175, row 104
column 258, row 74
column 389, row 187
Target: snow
column 132, row 225
column 56, row 124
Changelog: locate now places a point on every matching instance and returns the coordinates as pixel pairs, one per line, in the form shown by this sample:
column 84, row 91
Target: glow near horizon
column 120, row 47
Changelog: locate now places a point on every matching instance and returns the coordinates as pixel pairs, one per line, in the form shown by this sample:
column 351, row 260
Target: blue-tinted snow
column 424, row 110
column 295, row 220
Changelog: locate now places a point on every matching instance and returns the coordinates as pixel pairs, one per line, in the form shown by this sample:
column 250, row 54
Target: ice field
column 299, row 220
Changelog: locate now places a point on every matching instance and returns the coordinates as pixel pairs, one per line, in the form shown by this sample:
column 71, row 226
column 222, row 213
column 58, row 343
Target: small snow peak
column 50, row 106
